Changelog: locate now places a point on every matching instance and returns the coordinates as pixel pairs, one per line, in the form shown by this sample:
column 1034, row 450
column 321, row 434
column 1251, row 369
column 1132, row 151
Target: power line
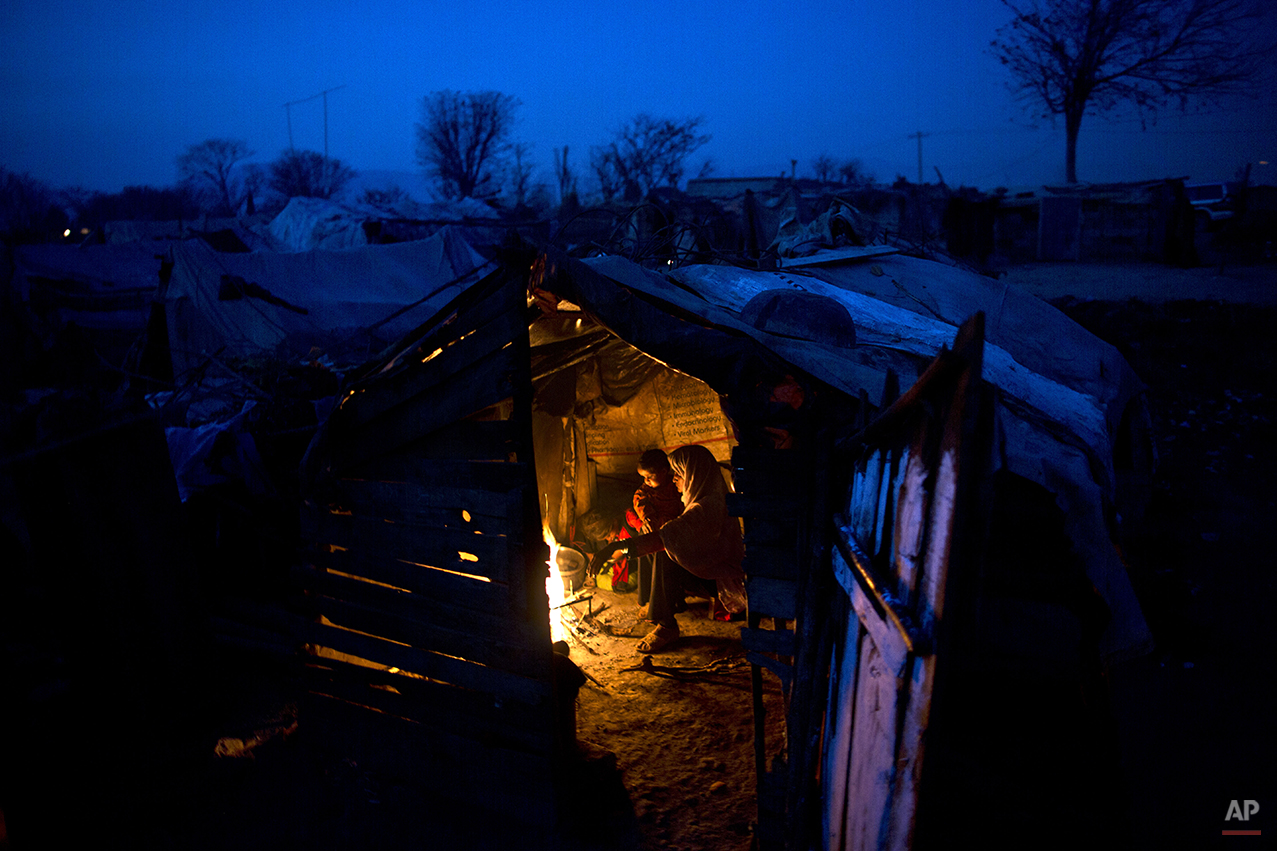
column 288, row 111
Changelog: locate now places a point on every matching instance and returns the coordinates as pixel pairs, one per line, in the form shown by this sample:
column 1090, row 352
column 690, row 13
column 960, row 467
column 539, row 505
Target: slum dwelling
column 442, row 491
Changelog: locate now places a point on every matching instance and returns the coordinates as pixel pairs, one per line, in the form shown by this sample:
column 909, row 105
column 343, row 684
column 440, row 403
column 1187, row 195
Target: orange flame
column 554, row 586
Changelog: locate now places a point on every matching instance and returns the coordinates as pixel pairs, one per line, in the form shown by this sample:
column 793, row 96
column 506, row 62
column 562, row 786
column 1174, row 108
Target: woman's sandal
column 658, row 639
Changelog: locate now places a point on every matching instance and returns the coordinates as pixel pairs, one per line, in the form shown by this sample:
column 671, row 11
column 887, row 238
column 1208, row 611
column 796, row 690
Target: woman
column 704, row 545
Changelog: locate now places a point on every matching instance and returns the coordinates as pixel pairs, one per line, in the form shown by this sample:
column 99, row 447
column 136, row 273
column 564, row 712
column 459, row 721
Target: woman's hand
column 605, row 555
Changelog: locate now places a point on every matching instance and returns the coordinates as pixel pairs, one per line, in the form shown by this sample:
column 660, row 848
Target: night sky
column 106, row 94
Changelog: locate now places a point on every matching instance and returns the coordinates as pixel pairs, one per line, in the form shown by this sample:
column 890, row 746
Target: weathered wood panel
column 892, row 559
column 446, row 549
column 483, row 383
column 437, row 365
column 437, row 506
column 436, row 666
column 472, row 714
column 462, row 592
column 490, row 638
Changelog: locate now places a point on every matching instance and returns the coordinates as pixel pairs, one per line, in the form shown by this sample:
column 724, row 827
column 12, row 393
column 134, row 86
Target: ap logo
column 1242, row 811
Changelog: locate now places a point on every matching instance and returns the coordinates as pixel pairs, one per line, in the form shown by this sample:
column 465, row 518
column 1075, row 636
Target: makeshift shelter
column 431, row 492
column 286, row 306
column 101, row 292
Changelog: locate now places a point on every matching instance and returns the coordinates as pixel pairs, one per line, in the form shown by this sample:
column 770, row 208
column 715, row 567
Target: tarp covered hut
column 103, row 292
column 431, row 489
column 263, row 304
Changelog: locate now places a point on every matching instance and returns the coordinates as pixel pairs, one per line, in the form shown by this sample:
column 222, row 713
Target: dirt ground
column 672, row 750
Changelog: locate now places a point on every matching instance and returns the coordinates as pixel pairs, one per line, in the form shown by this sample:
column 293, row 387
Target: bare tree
column 308, row 174
column 463, row 140
column 1080, row 57
column 521, row 171
column 824, row 167
column 853, row 173
column 29, row 211
column 646, row 153
column 208, row 168
column 563, row 174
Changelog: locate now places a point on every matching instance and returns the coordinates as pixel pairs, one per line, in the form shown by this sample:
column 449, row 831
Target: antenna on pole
column 918, row 135
column 288, row 111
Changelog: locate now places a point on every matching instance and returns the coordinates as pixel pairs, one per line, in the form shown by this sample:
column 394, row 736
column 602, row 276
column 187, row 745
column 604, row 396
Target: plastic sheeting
column 286, row 305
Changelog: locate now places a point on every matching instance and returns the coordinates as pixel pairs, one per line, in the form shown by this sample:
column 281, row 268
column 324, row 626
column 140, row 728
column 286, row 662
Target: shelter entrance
column 431, row 496
column 679, row 724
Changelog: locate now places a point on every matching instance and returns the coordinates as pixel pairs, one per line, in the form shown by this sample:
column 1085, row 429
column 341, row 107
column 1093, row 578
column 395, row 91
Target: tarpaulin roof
column 251, row 305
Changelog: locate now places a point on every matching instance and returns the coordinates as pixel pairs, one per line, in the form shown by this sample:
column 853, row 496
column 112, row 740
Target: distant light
column 1263, row 162
column 66, row 232
column 84, row 231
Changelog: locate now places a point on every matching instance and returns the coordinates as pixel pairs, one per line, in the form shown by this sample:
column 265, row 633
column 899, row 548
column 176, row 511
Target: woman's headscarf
column 704, row 539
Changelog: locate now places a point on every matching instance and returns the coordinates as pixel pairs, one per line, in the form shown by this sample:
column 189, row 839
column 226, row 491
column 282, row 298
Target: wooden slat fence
column 425, row 564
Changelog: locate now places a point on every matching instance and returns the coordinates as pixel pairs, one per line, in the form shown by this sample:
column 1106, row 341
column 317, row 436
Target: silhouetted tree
column 1079, row 57
column 824, row 167
column 308, row 174
column 563, row 175
column 646, row 153
column 463, row 140
column 29, row 210
column 521, row 171
column 853, row 173
column 208, row 168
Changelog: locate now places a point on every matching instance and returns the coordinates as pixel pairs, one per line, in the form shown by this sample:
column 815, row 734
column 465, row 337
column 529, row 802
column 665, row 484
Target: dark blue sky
column 107, row 94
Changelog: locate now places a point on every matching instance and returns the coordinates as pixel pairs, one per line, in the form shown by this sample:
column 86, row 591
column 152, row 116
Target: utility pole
column 288, row 111
column 919, row 136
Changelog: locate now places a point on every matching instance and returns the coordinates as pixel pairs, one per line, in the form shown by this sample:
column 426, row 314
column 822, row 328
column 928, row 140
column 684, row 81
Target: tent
column 239, row 306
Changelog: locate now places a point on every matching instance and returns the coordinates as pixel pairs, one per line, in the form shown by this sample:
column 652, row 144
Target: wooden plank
column 781, row 669
column 874, row 615
column 436, row 611
column 438, row 506
column 772, row 597
column 447, row 472
column 502, row 645
column 838, row 750
column 775, row 562
column 912, row 504
column 483, row 383
column 917, row 690
column 866, row 497
column 879, row 540
column 779, row 641
column 375, row 398
column 871, row 770
column 501, row 684
column 461, row 592
column 470, row 713
column 447, row 549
